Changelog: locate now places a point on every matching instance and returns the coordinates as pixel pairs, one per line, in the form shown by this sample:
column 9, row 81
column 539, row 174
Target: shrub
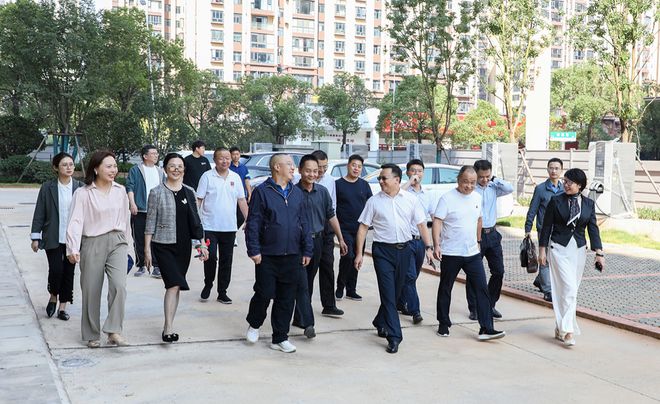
column 12, row 167
column 524, row 200
column 648, row 213
column 17, row 136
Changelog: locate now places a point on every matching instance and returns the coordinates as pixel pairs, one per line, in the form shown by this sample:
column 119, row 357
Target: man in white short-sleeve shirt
column 219, row 192
column 456, row 237
column 392, row 212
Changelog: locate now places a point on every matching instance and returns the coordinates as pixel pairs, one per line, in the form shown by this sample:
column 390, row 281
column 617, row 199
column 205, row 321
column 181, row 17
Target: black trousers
column 138, row 224
column 348, row 275
column 304, row 315
column 239, row 217
column 60, row 274
column 491, row 248
column 276, row 278
column 474, row 269
column 221, row 252
column 327, row 271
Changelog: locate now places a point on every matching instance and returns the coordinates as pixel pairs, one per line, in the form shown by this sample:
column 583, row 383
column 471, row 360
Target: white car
column 438, row 179
column 336, row 169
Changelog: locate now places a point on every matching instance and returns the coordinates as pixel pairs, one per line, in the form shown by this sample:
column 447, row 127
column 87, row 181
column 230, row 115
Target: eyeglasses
column 383, row 178
column 175, row 168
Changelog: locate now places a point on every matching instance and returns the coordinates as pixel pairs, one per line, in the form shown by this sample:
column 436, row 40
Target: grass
column 610, row 236
column 18, row 185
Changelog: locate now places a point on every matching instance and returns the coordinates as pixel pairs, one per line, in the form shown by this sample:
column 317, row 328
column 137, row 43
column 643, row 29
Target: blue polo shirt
column 242, row 172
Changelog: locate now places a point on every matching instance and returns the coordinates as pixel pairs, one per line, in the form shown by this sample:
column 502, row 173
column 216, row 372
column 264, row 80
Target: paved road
column 43, row 360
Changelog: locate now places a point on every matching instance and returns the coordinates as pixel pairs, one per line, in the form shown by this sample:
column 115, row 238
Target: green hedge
column 648, row 213
column 38, row 172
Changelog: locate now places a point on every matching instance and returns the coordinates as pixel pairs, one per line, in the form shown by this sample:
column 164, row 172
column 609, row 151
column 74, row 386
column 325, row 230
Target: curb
column 617, row 322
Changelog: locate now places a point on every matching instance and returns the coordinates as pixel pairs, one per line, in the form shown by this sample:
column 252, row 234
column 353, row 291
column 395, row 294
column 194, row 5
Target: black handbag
column 528, row 258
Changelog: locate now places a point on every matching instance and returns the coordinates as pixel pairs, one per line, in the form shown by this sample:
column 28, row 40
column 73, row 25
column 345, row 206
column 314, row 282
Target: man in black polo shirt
column 196, row 164
column 318, row 212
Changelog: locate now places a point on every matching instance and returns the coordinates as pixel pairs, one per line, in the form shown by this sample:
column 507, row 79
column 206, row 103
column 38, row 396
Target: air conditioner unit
column 611, row 177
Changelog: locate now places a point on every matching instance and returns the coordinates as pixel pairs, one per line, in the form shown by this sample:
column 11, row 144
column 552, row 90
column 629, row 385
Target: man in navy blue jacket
column 280, row 244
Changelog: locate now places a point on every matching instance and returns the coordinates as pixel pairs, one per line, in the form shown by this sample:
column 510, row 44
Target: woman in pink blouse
column 97, row 237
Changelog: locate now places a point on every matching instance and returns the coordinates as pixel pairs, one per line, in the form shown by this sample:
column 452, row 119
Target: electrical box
column 611, row 177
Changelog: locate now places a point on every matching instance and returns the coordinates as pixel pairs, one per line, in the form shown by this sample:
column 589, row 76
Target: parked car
column 438, row 179
column 336, row 169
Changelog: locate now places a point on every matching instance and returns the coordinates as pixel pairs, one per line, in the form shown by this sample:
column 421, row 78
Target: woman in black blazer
column 49, row 232
column 566, row 218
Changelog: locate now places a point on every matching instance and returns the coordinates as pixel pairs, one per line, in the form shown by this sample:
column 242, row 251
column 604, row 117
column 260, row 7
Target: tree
column 274, row 104
column 17, row 136
column 115, row 130
column 514, row 34
column 617, row 31
column 436, row 43
column 583, row 97
column 343, row 101
column 649, row 132
column 482, row 124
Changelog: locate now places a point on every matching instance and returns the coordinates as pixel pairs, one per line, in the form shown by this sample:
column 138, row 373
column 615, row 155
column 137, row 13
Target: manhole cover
column 76, row 363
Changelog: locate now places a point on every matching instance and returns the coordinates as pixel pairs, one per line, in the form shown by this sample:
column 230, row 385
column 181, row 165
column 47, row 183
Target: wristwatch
column 429, row 247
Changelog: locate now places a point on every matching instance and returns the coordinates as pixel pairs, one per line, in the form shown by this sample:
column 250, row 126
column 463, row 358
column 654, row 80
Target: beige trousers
column 107, row 254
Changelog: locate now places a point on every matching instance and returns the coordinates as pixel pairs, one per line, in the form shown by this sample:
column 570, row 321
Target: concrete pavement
column 346, row 362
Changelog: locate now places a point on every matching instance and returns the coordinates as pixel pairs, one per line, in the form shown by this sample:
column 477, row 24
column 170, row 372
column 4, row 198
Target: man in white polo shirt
column 218, row 193
column 392, row 212
column 456, row 236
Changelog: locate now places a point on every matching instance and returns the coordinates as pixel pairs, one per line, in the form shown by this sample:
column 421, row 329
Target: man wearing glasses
column 392, row 212
column 218, row 193
column 542, row 195
column 352, row 194
column 141, row 179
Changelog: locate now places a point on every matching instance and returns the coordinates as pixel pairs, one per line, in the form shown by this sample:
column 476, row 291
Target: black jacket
column 555, row 228
column 46, row 218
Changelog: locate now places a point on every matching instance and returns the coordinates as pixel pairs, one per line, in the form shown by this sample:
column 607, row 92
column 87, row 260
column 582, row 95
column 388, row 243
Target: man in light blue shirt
column 490, row 188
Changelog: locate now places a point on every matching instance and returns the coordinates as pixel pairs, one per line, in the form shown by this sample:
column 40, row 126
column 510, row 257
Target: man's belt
column 417, row 237
column 398, row 246
column 486, row 230
column 318, row 234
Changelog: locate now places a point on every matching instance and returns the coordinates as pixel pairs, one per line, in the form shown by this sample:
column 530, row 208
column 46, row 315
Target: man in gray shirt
column 319, row 213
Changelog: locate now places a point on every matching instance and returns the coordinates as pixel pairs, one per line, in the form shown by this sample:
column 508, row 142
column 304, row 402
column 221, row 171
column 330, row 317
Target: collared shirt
column 489, row 194
column 426, row 200
column 219, row 197
column 64, row 196
column 393, row 217
column 283, row 191
column 329, row 183
column 460, row 214
column 318, row 207
column 242, row 172
column 94, row 213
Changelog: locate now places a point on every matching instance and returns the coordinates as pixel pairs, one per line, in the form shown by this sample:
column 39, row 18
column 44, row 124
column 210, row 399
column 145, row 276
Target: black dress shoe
column 50, row 308
column 392, row 347
column 405, row 312
column 473, row 315
column 206, row 292
column 339, row 294
column 175, row 337
column 538, row 285
column 353, row 296
column 332, row 312
column 496, row 313
column 382, row 333
column 547, row 297
column 417, row 318
column 63, row 315
column 167, row 337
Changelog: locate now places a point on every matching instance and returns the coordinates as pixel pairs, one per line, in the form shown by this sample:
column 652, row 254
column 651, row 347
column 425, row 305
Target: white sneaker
column 252, row 335
column 284, row 346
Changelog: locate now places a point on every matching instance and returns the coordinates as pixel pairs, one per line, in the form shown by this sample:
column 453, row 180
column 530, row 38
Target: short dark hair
column 306, row 158
column 465, row 169
column 577, row 176
column 414, row 162
column 197, row 143
column 171, row 156
column 276, row 156
column 396, row 170
column 482, row 165
column 59, row 157
column 555, row 160
column 320, row 155
column 94, row 163
column 145, row 150
column 233, row 149
column 218, row 150
column 355, row 157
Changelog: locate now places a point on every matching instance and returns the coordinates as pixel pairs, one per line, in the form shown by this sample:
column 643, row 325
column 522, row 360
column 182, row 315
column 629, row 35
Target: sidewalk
column 346, row 362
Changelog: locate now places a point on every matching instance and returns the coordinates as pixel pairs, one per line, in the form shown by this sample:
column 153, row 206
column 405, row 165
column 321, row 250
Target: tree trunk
column 343, row 139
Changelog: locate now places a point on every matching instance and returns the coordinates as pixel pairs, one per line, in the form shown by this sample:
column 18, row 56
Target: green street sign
column 563, row 136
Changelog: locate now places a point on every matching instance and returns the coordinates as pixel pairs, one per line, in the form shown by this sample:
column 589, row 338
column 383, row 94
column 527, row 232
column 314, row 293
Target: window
column 557, row 4
column 321, row 8
column 238, row 1
column 216, row 16
column 376, row 67
column 237, row 18
column 361, row 12
column 339, row 64
column 303, row 61
column 376, row 49
column 262, row 57
column 556, row 64
column 377, row 14
column 263, row 4
column 578, row 54
column 216, row 54
column 219, row 73
column 320, row 63
column 305, row 7
column 303, row 44
column 321, row 45
column 178, row 9
column 377, row 32
column 320, row 81
column 237, row 37
column 359, row 65
column 360, row 30
column 340, row 10
column 168, row 22
column 178, row 23
column 339, row 46
column 237, row 57
column 262, row 41
column 556, row 52
column 304, row 26
column 217, row 35
column 219, row 1
column 360, row 48
column 340, row 27
column 154, row 20
column 259, row 22
column 321, row 26
column 168, row 8
column 445, row 175
column 237, row 76
column 376, row 85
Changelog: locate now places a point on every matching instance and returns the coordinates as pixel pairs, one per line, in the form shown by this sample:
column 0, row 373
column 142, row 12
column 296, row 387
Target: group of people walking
column 291, row 221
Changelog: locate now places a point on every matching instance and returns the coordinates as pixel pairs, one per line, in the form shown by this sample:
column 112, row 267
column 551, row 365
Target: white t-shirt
column 64, row 196
column 426, row 200
column 220, row 195
column 392, row 217
column 152, row 178
column 459, row 214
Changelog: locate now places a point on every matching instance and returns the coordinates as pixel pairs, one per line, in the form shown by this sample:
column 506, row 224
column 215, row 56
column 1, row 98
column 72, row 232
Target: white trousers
column 566, row 268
